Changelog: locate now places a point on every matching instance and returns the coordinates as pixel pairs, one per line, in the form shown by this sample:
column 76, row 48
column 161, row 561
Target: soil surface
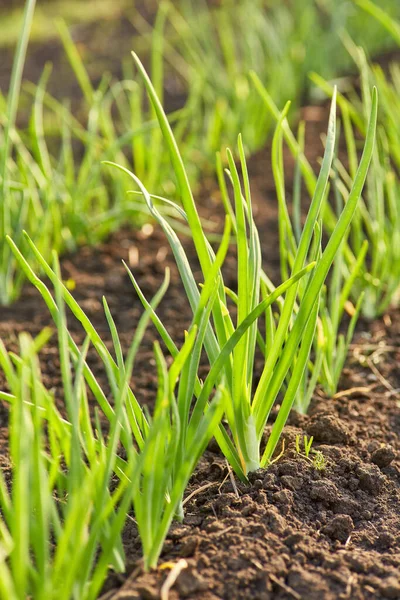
column 297, row 532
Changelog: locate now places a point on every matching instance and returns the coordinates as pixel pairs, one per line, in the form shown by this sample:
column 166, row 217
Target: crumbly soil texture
column 295, row 531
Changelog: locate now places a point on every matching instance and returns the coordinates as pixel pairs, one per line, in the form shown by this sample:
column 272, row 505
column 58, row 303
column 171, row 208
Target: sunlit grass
column 288, row 342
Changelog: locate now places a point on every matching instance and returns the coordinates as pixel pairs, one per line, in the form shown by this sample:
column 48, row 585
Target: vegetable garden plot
column 218, row 374
column 294, row 524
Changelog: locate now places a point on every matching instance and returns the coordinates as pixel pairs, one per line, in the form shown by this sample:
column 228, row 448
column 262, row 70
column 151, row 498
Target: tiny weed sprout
column 319, row 462
column 288, row 342
column 317, row 458
column 307, row 445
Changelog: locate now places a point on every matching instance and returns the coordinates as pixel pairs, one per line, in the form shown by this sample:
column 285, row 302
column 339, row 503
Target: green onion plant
column 165, row 447
column 330, row 346
column 287, row 344
column 378, row 218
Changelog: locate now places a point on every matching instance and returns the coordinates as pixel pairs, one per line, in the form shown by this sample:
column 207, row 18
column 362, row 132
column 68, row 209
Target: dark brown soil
column 296, row 532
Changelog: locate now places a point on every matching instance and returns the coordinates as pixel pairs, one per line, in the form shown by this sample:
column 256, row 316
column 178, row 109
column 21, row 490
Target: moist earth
column 297, row 531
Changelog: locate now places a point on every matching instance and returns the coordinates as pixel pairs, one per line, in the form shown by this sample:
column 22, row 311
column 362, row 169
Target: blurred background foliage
column 91, row 106
column 305, row 32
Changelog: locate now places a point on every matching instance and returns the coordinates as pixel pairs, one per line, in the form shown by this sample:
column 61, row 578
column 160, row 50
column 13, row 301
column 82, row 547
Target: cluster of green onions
column 160, row 452
column 126, row 460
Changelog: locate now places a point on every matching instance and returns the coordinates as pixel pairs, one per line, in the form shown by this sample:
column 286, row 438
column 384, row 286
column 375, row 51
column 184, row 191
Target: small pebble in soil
column 383, row 456
column 370, row 479
column 339, row 528
column 324, row 491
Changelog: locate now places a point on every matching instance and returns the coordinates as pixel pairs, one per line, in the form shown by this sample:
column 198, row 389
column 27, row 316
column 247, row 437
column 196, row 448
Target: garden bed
column 296, row 531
